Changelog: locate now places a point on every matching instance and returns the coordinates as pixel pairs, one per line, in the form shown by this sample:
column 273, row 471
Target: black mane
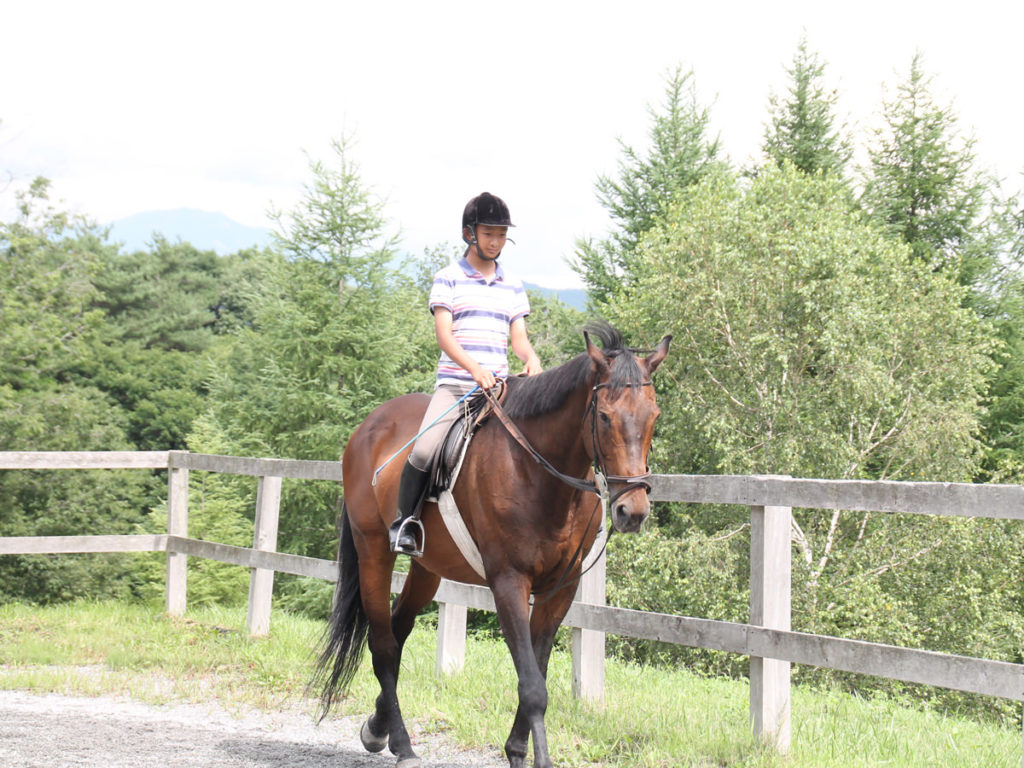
column 530, row 396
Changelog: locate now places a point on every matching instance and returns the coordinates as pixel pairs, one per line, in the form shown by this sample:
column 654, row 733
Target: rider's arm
column 522, row 347
column 448, row 344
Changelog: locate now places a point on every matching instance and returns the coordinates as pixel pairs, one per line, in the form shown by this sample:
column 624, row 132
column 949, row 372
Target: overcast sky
column 151, row 105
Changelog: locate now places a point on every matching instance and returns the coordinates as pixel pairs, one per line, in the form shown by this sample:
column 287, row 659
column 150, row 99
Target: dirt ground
column 55, row 731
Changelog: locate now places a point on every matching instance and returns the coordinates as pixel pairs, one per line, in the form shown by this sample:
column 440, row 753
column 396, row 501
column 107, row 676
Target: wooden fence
column 767, row 639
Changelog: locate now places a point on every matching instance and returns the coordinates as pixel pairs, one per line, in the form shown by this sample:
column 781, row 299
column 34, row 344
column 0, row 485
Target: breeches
column 427, row 444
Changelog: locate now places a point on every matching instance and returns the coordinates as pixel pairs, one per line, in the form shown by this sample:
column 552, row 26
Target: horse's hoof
column 371, row 743
column 408, row 762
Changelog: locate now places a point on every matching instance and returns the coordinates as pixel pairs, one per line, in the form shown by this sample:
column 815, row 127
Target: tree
column 48, row 262
column 680, row 155
column 808, row 343
column 1004, row 418
column 331, row 337
column 922, row 186
column 803, row 127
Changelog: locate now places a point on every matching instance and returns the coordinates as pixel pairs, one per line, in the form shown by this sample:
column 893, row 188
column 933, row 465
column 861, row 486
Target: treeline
column 830, row 320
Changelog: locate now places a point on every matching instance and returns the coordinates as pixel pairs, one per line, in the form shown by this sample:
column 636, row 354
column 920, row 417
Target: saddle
column 445, row 464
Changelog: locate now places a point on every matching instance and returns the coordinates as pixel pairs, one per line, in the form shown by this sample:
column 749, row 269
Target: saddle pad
column 456, row 525
column 459, row 532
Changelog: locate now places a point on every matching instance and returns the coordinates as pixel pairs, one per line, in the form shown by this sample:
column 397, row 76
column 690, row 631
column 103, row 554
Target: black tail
column 345, row 636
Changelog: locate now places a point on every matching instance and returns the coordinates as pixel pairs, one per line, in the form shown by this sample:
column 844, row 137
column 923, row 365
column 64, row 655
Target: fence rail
column 767, row 639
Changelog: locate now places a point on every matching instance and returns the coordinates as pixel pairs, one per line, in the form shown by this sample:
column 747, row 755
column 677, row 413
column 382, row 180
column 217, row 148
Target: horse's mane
column 530, row 396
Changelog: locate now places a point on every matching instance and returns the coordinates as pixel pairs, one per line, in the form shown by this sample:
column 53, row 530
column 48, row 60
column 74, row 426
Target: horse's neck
column 558, row 436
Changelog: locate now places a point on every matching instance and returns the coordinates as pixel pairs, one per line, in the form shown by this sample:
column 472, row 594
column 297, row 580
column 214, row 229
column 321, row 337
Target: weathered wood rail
column 767, row 639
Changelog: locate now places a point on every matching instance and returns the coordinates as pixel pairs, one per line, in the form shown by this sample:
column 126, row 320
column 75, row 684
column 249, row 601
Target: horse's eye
column 605, row 418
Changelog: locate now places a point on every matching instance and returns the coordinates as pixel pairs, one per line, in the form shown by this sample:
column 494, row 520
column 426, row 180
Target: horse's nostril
column 621, row 510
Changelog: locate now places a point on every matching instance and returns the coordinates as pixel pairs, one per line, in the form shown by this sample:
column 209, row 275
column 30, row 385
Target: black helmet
column 486, row 209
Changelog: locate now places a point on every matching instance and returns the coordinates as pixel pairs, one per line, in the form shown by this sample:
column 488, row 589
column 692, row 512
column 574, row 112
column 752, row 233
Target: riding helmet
column 486, row 209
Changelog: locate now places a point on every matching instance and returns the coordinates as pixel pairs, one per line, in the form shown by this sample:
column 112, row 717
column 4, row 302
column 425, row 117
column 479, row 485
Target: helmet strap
column 473, row 242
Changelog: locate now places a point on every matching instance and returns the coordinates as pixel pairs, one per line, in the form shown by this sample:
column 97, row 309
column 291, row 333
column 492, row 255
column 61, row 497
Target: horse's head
column 620, row 425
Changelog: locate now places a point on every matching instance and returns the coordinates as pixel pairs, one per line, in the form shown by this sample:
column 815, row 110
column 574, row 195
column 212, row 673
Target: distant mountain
column 574, row 297
column 209, row 231
column 206, row 230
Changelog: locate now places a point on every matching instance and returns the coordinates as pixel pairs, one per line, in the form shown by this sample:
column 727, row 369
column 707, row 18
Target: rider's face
column 490, row 240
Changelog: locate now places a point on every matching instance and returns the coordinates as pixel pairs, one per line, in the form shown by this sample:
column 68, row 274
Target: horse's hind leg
column 386, row 650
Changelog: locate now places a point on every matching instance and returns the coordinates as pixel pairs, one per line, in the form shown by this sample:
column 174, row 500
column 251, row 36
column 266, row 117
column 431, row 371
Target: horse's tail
column 345, row 637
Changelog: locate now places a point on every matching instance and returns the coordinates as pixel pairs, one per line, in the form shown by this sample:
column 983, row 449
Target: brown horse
column 532, row 516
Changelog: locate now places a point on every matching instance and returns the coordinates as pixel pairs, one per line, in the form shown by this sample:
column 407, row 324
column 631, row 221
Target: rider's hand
column 533, row 366
column 484, row 378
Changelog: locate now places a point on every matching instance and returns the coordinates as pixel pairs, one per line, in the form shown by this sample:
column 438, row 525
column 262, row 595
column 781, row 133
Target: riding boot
column 411, row 491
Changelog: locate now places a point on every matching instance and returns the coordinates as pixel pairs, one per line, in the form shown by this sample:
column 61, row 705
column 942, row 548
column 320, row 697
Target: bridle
column 629, row 482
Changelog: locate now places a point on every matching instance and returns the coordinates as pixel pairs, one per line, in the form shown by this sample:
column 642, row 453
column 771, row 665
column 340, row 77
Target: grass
column 650, row 717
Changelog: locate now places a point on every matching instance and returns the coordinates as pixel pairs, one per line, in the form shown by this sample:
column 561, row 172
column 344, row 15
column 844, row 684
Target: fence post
column 451, row 638
column 770, row 600
column 588, row 644
column 175, row 595
column 264, row 539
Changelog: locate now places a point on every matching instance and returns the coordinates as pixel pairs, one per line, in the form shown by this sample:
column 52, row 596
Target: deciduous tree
column 808, row 343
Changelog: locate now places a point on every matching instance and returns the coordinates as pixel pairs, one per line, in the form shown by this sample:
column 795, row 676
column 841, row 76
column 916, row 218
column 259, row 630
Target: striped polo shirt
column 481, row 315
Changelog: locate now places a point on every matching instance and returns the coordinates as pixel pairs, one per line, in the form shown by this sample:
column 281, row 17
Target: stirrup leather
column 397, row 532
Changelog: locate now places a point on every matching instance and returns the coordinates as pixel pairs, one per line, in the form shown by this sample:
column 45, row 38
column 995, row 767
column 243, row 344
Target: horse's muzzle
column 629, row 510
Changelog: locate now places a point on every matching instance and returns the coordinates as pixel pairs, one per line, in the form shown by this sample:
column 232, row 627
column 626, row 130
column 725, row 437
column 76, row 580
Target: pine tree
column 680, row 155
column 803, row 127
column 922, row 185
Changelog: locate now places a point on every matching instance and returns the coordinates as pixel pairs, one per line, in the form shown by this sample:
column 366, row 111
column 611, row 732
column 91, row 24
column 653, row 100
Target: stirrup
column 395, row 534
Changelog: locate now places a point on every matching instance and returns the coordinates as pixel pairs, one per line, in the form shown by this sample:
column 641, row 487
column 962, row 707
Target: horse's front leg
column 511, row 598
column 547, row 615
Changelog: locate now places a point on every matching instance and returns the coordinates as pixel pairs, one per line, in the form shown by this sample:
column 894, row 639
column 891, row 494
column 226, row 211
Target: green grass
column 650, row 717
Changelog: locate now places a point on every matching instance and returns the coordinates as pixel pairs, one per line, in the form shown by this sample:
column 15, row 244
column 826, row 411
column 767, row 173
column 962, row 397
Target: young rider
column 478, row 309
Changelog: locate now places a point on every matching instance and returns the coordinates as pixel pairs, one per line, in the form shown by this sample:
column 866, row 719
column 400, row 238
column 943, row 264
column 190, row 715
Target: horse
column 527, row 495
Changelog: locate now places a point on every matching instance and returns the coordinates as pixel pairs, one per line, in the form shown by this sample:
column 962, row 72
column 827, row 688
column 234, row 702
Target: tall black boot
column 411, row 491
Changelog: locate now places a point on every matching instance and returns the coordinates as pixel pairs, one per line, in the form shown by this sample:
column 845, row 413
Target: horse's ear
column 599, row 358
column 654, row 359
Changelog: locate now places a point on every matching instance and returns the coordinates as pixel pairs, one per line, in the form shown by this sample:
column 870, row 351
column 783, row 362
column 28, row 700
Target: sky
column 221, row 106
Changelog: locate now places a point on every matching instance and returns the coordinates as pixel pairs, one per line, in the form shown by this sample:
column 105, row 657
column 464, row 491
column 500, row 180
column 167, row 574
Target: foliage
column 555, row 331
column 47, row 263
column 331, row 337
column 48, row 260
column 1003, row 434
column 56, row 503
column 922, row 185
column 694, row 574
column 803, row 127
column 680, row 155
column 807, row 343
column 219, row 510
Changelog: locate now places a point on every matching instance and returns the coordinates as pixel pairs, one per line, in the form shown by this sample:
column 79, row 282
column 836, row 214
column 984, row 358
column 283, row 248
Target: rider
column 478, row 308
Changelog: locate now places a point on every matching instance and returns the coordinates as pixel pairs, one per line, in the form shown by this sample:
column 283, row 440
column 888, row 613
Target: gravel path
column 56, row 731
